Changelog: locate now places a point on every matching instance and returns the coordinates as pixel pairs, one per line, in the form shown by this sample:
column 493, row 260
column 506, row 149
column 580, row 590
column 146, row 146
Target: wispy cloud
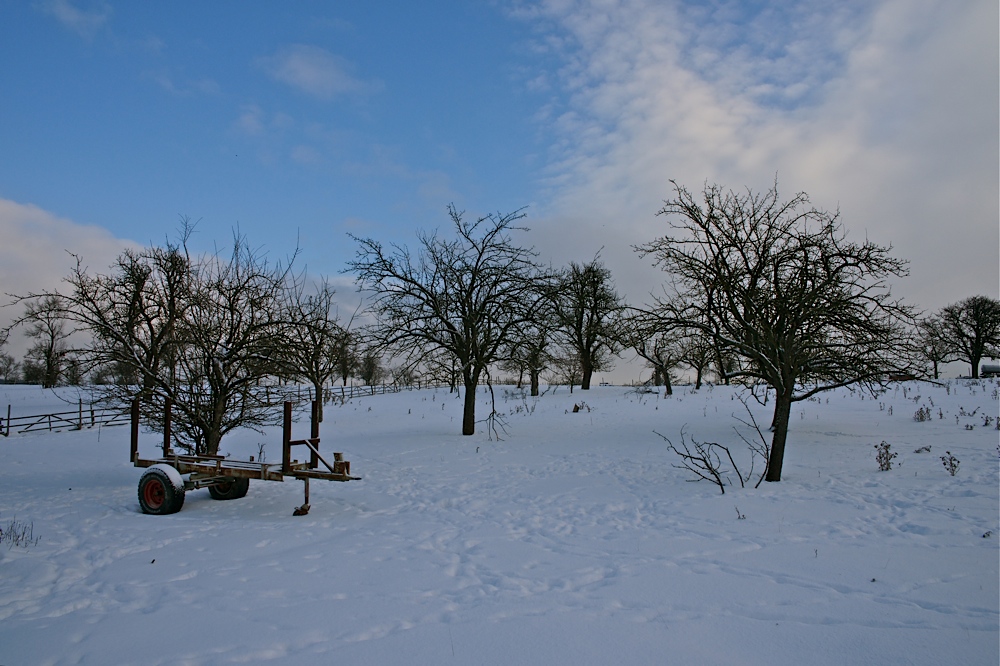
column 183, row 88
column 886, row 109
column 316, row 72
column 84, row 22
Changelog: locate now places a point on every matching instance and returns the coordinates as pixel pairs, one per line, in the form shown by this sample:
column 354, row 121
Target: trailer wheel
column 158, row 495
column 231, row 489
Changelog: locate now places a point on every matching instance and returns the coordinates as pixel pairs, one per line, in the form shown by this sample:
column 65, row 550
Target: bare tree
column 662, row 347
column 370, row 368
column 8, row 366
column 49, row 356
column 532, row 345
column 313, row 340
column 463, row 296
column 777, row 284
column 584, row 305
column 932, row 343
column 199, row 332
column 227, row 339
column 972, row 329
column 697, row 353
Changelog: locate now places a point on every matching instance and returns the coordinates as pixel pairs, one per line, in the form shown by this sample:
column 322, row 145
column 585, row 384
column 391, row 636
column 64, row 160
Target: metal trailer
column 162, row 486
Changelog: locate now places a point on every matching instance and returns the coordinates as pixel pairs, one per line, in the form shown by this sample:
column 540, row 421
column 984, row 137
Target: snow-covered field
column 573, row 540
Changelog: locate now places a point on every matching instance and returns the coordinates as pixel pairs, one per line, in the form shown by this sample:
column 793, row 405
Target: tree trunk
column 469, row 409
column 588, row 372
column 318, row 393
column 782, row 413
column 534, row 382
column 667, row 388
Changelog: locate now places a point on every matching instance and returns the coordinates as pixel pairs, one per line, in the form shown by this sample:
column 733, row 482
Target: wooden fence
column 89, row 416
column 77, row 419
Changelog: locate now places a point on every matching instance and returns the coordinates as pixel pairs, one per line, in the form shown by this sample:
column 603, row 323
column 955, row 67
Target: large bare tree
column 464, row 296
column 777, row 284
column 972, row 329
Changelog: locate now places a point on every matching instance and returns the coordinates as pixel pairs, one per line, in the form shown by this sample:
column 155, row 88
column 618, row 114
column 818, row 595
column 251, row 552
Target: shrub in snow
column 950, row 463
column 884, row 456
column 922, row 414
column 17, row 533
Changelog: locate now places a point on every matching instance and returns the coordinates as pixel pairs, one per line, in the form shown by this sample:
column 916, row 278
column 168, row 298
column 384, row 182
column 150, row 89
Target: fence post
column 79, row 415
column 6, row 434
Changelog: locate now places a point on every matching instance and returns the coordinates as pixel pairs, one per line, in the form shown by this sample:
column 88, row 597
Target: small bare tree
column 50, row 354
column 585, row 305
column 463, row 296
column 660, row 346
column 776, row 284
column 312, row 342
column 933, row 345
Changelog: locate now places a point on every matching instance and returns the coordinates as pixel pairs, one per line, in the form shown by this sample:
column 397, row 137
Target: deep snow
column 573, row 540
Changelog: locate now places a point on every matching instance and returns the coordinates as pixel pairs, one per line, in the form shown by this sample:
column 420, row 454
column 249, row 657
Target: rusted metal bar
column 167, row 405
column 314, row 434
column 134, row 452
column 286, row 439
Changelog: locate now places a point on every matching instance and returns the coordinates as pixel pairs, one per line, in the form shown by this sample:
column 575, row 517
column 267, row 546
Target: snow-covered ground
column 573, row 540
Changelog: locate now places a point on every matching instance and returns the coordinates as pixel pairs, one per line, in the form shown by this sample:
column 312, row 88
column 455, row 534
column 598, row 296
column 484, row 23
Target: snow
column 573, row 540
column 176, row 480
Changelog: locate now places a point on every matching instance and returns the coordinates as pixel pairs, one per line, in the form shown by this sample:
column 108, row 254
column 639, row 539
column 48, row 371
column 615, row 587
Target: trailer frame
column 162, row 488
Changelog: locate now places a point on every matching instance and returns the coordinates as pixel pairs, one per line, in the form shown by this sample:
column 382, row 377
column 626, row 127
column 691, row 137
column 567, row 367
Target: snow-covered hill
column 573, row 540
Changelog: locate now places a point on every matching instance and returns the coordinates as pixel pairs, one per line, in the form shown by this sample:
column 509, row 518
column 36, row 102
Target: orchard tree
column 8, row 366
column 49, row 356
column 464, row 296
column 661, row 346
column 197, row 331
column 777, row 285
column 932, row 343
column 585, row 305
column 972, row 329
column 312, row 340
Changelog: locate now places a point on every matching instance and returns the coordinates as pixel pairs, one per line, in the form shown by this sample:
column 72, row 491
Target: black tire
column 231, row 489
column 158, row 495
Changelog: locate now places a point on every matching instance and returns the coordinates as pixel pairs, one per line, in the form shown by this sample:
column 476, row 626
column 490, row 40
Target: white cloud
column 886, row 110
column 84, row 22
column 315, row 71
column 35, row 254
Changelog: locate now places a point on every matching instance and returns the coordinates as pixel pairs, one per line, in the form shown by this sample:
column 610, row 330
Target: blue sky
column 304, row 121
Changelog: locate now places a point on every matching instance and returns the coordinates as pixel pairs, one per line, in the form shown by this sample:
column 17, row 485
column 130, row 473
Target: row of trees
column 769, row 292
column 765, row 292
column 967, row 331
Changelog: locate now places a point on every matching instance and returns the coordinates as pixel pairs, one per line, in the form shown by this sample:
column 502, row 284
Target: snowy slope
column 573, row 540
